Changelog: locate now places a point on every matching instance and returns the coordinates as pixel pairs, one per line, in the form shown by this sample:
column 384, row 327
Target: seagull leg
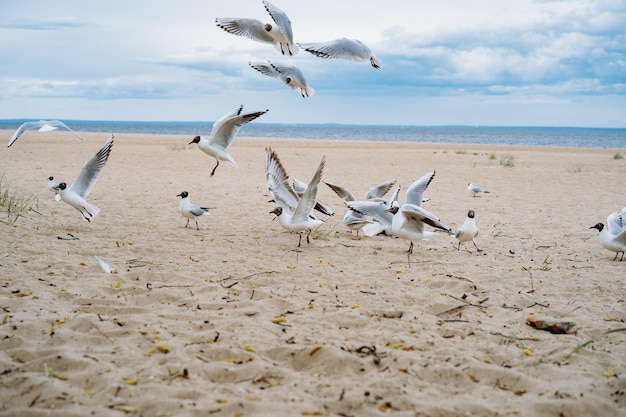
column 300, row 239
column 197, row 228
column 479, row 250
column 307, row 236
column 616, row 253
column 410, row 247
column 215, row 167
column 187, row 223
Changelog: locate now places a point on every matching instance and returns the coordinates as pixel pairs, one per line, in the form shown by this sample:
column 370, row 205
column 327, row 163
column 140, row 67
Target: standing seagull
column 290, row 75
column 409, row 219
column 475, row 190
column 76, row 194
column 613, row 236
column 190, row 211
column 294, row 213
column 343, row 48
column 468, row 231
column 222, row 135
column 40, row 126
column 278, row 34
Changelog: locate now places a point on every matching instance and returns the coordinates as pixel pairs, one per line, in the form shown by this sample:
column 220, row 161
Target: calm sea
column 533, row 136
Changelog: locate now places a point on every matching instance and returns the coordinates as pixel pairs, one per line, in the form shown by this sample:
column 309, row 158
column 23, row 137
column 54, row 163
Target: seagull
column 278, row 34
column 468, row 231
column 343, row 48
column 352, row 219
column 290, row 75
column 410, row 218
column 222, row 135
column 377, row 211
column 76, row 194
column 613, row 237
column 40, row 126
column 474, row 189
column 190, row 211
column 53, row 186
column 294, row 213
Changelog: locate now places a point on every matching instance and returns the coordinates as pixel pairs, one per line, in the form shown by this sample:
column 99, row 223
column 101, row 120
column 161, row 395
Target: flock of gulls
column 295, row 201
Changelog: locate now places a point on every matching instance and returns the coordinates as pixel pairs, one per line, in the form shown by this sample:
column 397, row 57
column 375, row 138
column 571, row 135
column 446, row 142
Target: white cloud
column 160, row 51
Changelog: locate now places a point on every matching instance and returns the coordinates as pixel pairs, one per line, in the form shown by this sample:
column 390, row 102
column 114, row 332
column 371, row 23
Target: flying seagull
column 76, row 194
column 222, row 135
column 278, row 33
column 40, row 126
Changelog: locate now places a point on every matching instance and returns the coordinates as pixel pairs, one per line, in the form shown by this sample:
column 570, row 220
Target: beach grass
column 13, row 204
column 507, row 161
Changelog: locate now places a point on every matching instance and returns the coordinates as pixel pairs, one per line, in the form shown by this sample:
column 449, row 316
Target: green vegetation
column 12, row 204
column 507, row 161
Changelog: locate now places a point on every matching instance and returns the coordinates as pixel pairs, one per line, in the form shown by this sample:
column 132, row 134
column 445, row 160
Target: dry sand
column 235, row 320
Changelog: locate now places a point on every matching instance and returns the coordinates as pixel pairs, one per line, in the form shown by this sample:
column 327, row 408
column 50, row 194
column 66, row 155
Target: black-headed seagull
column 76, row 194
column 222, row 135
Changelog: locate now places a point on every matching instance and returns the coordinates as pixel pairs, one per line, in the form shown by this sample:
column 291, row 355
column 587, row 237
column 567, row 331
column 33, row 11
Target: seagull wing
column 197, row 210
column 23, row 128
column 379, row 191
column 415, row 192
column 90, row 172
column 250, row 28
column 419, row 216
column 375, row 210
column 341, row 191
column 616, row 222
column 266, row 68
column 284, row 24
column 278, row 183
column 620, row 237
column 55, row 124
column 309, row 198
column 41, row 126
column 225, row 129
column 343, row 48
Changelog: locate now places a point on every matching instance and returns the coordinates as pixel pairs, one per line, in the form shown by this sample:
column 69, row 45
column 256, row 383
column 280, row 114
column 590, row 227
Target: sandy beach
column 235, row 320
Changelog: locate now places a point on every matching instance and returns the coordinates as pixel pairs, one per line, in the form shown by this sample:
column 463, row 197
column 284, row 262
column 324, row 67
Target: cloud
column 58, row 23
column 487, row 50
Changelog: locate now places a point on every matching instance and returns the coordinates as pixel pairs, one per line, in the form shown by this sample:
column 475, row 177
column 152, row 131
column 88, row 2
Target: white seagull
column 343, row 48
column 354, row 220
column 294, row 213
column 376, row 210
column 40, row 126
column 190, row 211
column 278, row 34
column 613, row 236
column 475, row 190
column 222, row 135
column 76, row 194
column 468, row 231
column 290, row 75
column 409, row 219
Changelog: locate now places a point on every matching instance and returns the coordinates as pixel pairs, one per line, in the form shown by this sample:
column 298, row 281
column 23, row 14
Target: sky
column 450, row 62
